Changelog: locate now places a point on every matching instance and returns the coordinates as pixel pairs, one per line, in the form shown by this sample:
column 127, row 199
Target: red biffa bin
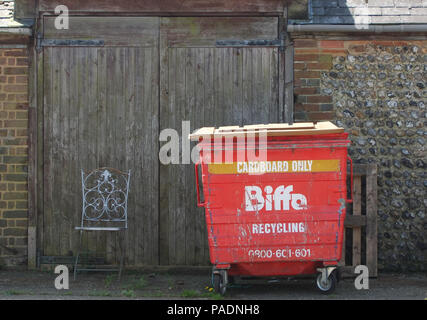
column 274, row 199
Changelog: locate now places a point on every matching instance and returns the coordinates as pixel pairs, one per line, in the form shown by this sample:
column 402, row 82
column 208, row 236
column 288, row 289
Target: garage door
column 100, row 109
column 110, row 85
column 214, row 71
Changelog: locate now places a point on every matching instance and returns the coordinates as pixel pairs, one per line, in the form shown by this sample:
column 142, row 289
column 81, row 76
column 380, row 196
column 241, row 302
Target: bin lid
column 272, row 129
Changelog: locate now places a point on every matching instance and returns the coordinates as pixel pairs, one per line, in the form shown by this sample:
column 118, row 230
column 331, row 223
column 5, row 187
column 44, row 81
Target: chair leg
column 78, row 254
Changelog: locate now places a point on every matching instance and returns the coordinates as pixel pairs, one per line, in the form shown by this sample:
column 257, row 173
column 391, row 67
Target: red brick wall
column 13, row 155
column 312, row 57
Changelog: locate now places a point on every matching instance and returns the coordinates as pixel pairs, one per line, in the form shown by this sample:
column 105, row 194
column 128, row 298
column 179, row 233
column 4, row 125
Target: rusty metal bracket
column 39, row 38
column 40, row 42
column 249, row 43
column 70, row 43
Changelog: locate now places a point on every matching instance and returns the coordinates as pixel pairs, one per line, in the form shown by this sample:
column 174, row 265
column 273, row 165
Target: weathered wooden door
column 110, row 85
column 100, row 109
column 209, row 83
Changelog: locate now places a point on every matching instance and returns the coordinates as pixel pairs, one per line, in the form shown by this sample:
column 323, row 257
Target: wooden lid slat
column 274, row 129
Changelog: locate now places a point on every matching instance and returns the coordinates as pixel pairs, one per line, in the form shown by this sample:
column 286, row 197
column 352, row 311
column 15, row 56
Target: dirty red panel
column 283, row 214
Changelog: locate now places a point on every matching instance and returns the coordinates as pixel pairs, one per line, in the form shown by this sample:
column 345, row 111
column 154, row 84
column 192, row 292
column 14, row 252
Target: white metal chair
column 104, row 207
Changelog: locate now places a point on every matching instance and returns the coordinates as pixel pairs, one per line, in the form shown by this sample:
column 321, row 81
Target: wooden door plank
column 124, row 107
column 32, row 182
column 237, row 85
column 187, row 115
column 109, row 132
column 57, row 150
column 166, row 97
column 209, row 111
column 191, row 109
column 208, row 118
column 266, row 92
column 247, row 86
column 170, row 199
column 179, row 174
column 92, row 122
column 281, row 69
column 274, row 105
column 287, row 62
column 154, row 163
column 57, row 136
column 76, row 195
column 82, row 134
column 219, row 85
column 147, row 155
column 40, row 65
column 32, row 158
column 197, row 118
column 138, row 170
column 47, row 152
column 102, row 156
column 227, row 94
column 256, row 61
column 65, row 176
column 343, row 253
column 129, row 143
column 118, row 125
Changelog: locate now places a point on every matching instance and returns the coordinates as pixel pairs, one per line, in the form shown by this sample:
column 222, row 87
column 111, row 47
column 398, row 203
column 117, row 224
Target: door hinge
column 249, row 43
column 282, row 45
column 67, row 42
column 39, row 38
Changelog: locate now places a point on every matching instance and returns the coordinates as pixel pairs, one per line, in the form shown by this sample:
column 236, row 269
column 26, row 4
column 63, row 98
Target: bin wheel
column 218, row 284
column 328, row 286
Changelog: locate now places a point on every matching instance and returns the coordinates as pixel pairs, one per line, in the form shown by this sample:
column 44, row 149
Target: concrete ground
column 195, row 283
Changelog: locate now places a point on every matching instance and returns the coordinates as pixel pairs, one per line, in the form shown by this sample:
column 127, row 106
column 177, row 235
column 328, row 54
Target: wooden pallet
column 361, row 218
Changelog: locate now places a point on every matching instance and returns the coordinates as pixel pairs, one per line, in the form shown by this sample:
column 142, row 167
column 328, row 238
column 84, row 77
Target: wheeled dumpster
column 275, row 199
